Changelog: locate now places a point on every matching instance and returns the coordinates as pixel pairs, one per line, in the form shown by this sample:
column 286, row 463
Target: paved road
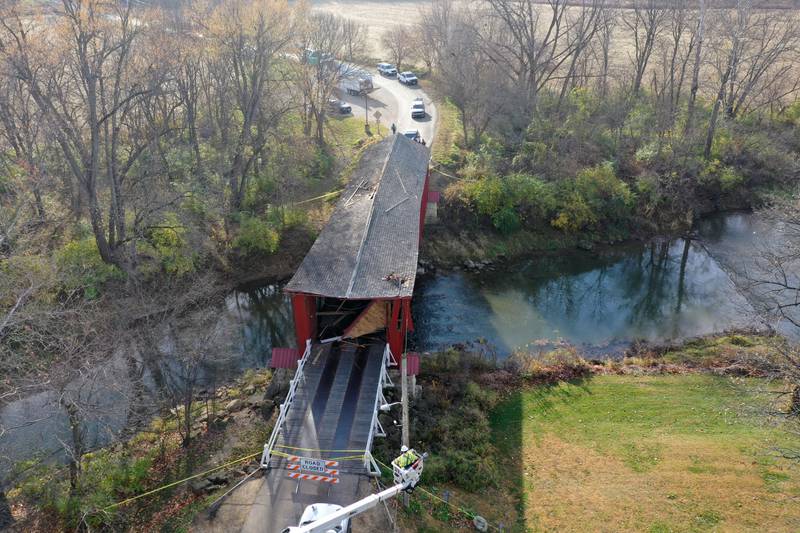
column 393, row 100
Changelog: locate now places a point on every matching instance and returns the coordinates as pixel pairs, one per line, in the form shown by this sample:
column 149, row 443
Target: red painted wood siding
column 284, row 358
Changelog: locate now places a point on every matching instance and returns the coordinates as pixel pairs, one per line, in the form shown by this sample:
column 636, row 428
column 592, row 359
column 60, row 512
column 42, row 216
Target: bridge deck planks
column 333, row 406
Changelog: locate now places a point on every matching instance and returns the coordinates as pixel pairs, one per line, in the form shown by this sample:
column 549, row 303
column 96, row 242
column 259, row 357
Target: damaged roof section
column 370, row 245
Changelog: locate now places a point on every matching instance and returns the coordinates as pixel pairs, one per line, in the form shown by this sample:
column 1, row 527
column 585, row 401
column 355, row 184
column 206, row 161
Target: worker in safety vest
column 407, row 458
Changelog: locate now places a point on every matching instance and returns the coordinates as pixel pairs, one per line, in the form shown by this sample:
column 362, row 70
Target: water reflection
column 143, row 375
column 665, row 290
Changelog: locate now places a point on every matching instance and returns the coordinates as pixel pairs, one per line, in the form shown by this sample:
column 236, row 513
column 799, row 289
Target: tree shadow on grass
column 507, row 423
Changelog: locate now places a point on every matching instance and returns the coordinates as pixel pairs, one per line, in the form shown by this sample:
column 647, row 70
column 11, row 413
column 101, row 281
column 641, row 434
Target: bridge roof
column 370, row 245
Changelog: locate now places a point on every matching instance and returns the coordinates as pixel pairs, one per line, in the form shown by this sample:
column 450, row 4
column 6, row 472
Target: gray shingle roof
column 369, row 247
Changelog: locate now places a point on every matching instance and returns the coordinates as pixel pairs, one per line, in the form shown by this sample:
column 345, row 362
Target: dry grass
column 660, row 453
column 693, row 486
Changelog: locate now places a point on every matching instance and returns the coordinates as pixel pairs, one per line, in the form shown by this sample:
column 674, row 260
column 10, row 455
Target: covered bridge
column 358, row 278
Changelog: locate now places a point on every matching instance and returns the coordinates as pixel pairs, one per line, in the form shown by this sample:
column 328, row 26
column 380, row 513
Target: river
column 601, row 300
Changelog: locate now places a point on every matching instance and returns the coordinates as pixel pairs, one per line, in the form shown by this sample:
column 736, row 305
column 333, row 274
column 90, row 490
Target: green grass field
column 654, row 453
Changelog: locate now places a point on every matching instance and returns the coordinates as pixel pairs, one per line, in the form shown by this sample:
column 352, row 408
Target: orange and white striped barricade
column 314, row 477
column 319, row 467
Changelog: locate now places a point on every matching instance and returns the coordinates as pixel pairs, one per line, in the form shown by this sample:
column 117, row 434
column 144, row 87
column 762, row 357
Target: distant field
column 378, row 15
column 381, row 15
column 658, row 454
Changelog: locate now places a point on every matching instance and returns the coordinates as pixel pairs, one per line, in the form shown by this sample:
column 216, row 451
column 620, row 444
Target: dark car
column 342, row 107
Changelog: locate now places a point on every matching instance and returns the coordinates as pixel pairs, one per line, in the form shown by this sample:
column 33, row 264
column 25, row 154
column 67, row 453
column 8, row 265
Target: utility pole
column 404, row 400
column 404, row 396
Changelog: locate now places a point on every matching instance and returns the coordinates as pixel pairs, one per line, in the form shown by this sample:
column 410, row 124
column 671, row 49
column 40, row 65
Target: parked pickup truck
column 387, row 69
column 407, row 78
column 417, row 108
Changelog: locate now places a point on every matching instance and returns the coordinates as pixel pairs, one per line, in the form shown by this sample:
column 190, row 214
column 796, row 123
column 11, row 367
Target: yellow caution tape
column 318, row 197
column 184, row 480
column 315, row 449
column 346, row 458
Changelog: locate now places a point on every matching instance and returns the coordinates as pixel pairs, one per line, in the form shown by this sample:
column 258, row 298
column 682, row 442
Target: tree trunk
column 6, row 519
column 712, row 123
column 794, row 403
column 695, row 70
column 464, row 126
column 687, row 242
column 73, row 415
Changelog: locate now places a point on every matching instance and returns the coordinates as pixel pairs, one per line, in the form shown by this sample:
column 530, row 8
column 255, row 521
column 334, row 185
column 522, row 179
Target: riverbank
column 682, row 437
column 223, row 426
column 493, row 466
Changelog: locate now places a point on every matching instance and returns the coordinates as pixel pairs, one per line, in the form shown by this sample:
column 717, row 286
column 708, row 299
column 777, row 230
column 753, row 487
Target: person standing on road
column 394, row 128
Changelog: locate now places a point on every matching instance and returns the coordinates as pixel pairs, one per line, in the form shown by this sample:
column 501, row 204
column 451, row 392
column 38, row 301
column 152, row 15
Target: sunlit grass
column 660, row 453
column 448, row 133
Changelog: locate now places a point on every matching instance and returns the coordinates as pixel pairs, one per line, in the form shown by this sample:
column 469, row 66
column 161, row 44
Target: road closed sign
column 309, row 464
column 312, row 465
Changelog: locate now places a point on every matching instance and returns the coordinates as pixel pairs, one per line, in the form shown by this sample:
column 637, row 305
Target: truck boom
column 406, row 478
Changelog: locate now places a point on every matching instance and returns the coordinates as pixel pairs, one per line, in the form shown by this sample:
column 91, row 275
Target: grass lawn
column 654, row 453
column 448, row 133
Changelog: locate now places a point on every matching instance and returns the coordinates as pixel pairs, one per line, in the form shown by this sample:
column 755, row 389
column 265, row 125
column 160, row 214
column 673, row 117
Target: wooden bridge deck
column 334, row 405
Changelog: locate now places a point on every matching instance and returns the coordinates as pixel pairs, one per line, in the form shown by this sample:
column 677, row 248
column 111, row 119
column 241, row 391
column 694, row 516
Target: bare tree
column 94, row 85
column 771, row 279
column 732, row 39
column 355, row 38
column 527, row 43
column 698, row 54
column 434, row 31
column 683, row 44
column 399, row 42
column 645, row 21
column 607, row 23
column 755, row 52
column 324, row 38
column 84, row 92
column 469, row 79
column 249, row 36
column 768, row 56
column 21, row 128
column 579, row 36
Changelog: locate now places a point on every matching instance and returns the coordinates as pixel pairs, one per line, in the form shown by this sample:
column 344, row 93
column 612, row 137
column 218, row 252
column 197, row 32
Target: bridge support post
column 304, row 310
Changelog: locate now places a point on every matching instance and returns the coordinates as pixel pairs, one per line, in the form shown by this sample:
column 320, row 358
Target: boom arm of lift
column 405, row 479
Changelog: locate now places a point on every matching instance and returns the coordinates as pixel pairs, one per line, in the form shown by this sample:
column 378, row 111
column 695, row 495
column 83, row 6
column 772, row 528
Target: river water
column 601, row 300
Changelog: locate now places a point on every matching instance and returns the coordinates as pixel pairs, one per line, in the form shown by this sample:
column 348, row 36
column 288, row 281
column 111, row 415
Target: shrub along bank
column 225, row 425
column 596, row 171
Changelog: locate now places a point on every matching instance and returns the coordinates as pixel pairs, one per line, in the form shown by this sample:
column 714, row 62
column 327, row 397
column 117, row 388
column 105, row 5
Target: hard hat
column 404, row 449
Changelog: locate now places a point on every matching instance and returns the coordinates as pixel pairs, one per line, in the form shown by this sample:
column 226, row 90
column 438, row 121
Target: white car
column 387, row 69
column 315, row 511
column 417, row 108
column 407, row 78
